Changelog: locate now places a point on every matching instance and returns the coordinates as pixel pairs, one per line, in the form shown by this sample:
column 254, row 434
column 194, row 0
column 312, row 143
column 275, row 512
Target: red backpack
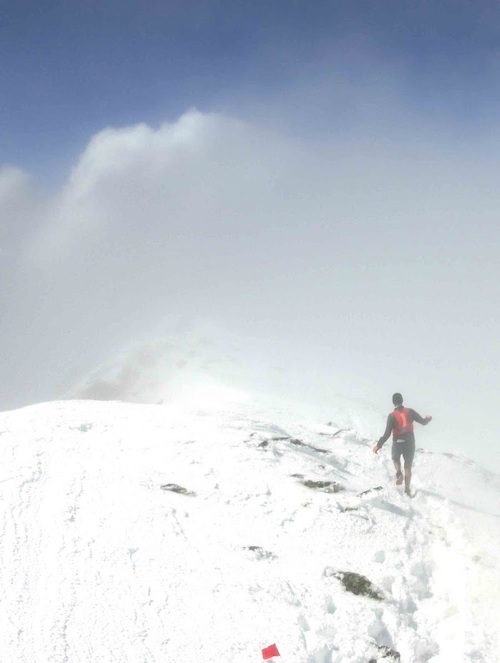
column 403, row 423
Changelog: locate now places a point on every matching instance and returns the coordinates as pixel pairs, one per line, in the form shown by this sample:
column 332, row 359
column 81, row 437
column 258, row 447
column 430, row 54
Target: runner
column 400, row 424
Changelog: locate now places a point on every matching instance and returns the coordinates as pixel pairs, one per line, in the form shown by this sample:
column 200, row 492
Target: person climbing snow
column 400, row 424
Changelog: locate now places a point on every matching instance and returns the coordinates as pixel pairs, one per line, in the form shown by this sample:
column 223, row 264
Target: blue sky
column 70, row 68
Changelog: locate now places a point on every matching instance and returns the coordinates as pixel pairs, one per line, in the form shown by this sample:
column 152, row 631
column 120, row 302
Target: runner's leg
column 408, row 454
column 396, row 459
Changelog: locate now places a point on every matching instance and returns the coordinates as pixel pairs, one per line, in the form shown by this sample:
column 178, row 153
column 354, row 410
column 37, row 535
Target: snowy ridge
column 103, row 561
column 213, row 368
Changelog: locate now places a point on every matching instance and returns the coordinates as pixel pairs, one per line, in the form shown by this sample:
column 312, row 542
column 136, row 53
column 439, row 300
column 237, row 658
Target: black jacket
column 391, row 424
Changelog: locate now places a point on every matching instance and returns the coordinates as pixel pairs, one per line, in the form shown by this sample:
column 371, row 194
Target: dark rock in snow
column 323, row 486
column 388, row 653
column 357, row 584
column 260, row 553
column 370, row 491
column 174, row 488
column 299, row 443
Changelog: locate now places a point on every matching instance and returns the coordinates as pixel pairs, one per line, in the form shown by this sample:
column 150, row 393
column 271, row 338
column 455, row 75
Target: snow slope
column 101, row 564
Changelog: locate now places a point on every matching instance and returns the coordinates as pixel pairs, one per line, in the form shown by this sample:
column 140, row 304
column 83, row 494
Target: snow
column 101, row 564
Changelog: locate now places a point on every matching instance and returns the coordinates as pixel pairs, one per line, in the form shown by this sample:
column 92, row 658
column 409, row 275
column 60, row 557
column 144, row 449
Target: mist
column 355, row 265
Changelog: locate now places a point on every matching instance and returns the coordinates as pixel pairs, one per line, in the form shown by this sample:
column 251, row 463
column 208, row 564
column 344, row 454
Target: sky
column 317, row 180
column 69, row 69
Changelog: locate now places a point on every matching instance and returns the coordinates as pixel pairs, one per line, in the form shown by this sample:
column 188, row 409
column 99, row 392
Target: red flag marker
column 269, row 652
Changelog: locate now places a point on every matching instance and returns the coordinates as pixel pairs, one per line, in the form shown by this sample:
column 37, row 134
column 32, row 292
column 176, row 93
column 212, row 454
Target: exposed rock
column 299, row 443
column 323, row 486
column 174, row 488
column 356, row 584
column 370, row 491
column 389, row 653
column 260, row 553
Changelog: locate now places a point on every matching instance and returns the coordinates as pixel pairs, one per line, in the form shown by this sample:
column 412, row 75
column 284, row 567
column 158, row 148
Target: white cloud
column 15, row 203
column 195, row 174
column 12, row 180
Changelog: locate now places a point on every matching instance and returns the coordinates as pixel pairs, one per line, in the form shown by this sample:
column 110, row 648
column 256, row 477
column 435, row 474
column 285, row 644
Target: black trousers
column 405, row 448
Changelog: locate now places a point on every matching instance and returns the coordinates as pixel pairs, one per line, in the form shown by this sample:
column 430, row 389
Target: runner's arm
column 416, row 417
column 388, row 431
